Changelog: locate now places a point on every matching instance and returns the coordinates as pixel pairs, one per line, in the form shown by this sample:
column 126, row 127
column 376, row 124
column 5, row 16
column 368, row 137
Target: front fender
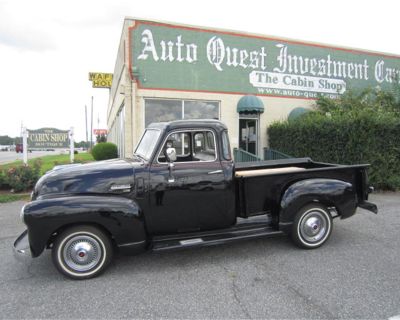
column 121, row 217
column 329, row 192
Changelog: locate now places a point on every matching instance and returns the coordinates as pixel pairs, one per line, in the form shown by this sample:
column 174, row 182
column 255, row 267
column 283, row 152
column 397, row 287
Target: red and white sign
column 100, row 132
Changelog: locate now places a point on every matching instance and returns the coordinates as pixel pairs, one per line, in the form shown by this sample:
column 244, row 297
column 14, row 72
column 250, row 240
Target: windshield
column 147, row 144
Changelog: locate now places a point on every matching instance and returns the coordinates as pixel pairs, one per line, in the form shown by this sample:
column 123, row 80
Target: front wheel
column 82, row 252
column 312, row 226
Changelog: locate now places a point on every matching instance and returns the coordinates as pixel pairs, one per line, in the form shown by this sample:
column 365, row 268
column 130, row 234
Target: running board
column 203, row 240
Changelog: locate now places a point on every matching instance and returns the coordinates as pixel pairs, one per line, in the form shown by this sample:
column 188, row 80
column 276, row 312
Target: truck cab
column 195, row 191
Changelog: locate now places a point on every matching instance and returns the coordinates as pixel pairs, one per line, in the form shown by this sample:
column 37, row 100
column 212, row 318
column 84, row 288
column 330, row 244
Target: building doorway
column 248, row 135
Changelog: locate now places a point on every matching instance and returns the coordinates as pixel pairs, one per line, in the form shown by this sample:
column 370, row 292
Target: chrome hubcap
column 82, row 253
column 314, row 225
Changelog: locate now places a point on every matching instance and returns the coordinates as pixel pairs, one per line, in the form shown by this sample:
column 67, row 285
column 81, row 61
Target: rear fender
column 328, row 192
column 120, row 217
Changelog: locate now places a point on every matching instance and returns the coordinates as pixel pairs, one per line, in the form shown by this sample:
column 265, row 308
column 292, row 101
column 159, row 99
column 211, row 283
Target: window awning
column 250, row 104
column 296, row 113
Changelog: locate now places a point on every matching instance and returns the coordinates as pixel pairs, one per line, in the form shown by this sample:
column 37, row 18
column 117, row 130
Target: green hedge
column 104, row 151
column 345, row 138
column 19, row 177
column 3, row 182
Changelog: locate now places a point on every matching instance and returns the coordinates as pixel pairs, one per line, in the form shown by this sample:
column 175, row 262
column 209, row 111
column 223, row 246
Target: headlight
column 22, row 214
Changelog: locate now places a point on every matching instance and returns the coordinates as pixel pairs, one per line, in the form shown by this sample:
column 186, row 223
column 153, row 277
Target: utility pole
column 86, row 141
column 71, row 144
column 98, row 126
column 25, row 145
column 91, row 127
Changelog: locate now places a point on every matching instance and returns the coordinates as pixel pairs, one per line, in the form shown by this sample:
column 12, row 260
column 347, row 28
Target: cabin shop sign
column 48, row 138
column 205, row 60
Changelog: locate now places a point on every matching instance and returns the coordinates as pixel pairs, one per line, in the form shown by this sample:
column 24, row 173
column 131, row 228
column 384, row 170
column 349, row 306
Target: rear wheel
column 82, row 252
column 312, row 226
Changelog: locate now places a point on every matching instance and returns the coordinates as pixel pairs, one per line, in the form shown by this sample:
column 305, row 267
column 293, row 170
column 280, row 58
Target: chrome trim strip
column 131, row 243
column 215, row 172
column 120, row 187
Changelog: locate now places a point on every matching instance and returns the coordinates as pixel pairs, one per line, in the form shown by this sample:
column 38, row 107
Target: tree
column 82, row 144
column 359, row 127
column 101, row 138
column 6, row 140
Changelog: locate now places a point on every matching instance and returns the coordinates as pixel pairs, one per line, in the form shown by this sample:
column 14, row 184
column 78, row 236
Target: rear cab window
column 226, row 148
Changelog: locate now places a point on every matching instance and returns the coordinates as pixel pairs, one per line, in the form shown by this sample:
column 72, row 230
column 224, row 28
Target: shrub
column 2, row 179
column 104, row 151
column 22, row 178
column 361, row 128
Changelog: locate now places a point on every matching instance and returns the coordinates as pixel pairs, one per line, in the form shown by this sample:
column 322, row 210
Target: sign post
column 25, row 145
column 71, row 144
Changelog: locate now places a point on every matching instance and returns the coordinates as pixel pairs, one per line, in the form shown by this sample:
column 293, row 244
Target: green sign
column 173, row 57
column 48, row 138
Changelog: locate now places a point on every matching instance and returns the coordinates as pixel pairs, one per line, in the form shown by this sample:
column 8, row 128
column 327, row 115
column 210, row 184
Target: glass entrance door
column 248, row 135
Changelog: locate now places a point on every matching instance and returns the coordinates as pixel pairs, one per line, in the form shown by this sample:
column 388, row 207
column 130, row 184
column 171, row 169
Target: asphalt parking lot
column 355, row 275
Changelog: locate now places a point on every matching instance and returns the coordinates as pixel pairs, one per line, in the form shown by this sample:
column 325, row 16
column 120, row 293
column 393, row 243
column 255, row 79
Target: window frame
column 225, row 146
column 182, row 102
column 155, row 146
column 191, row 151
column 182, row 141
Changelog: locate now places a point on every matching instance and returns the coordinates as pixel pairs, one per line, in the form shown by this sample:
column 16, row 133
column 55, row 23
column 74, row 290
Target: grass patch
column 9, row 197
column 48, row 162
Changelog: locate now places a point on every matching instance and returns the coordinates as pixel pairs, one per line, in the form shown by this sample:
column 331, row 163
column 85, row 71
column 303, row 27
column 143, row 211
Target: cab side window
column 181, row 142
column 190, row 146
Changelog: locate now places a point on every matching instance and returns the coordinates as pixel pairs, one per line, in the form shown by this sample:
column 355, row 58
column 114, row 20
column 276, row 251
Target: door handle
column 215, row 172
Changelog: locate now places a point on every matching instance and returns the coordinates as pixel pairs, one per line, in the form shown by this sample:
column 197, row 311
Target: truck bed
column 260, row 185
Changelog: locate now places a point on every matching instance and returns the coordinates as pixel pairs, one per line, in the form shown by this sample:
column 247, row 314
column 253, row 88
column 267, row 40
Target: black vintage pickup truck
column 181, row 189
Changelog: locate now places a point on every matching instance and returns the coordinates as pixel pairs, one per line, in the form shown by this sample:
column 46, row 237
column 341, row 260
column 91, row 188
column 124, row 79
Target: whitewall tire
column 312, row 226
column 82, row 252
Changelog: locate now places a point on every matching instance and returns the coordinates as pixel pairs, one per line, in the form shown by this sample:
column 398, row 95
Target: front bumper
column 22, row 250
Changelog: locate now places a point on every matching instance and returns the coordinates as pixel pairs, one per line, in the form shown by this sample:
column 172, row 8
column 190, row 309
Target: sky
column 47, row 48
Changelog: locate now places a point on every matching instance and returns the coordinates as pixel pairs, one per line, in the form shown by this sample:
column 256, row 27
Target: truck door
column 192, row 195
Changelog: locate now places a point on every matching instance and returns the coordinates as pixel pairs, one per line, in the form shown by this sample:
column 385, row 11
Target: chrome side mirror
column 171, row 154
column 171, row 157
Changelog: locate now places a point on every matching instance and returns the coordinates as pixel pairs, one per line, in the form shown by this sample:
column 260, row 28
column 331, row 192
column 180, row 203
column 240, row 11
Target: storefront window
column 161, row 110
column 201, row 110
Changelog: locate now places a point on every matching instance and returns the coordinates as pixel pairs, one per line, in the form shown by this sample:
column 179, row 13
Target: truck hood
column 103, row 177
